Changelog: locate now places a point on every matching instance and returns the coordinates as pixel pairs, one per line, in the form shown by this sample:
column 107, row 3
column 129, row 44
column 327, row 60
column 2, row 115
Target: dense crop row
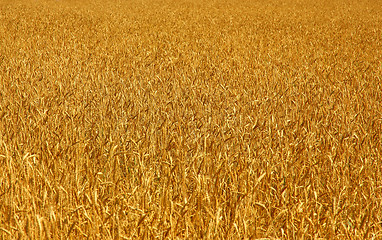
column 190, row 119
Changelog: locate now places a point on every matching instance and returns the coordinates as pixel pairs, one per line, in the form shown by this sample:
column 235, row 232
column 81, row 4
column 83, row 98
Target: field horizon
column 184, row 119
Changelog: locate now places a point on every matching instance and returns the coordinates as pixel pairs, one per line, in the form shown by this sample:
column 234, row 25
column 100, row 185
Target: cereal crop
column 202, row 119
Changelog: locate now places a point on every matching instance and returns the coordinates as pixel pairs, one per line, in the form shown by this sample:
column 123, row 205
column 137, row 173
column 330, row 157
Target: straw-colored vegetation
column 202, row 119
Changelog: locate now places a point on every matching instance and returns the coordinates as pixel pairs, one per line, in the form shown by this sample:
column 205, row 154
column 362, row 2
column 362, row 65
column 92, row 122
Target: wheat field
column 202, row 119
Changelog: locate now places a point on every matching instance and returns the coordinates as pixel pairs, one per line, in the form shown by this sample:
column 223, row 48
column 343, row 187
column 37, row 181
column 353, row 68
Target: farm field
column 203, row 119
